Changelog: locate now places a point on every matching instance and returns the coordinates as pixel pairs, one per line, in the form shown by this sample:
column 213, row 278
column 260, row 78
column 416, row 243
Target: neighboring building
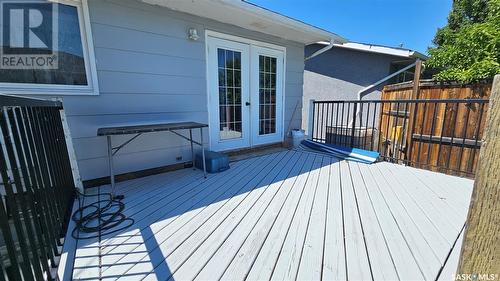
column 342, row 71
column 231, row 64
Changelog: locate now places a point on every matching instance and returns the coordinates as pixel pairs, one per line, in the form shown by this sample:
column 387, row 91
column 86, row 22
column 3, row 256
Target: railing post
column 413, row 110
column 416, row 79
column 482, row 228
column 353, row 130
column 310, row 123
column 71, row 152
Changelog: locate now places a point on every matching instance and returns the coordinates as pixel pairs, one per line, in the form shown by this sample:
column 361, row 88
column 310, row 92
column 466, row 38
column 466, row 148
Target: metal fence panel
column 37, row 188
column 442, row 135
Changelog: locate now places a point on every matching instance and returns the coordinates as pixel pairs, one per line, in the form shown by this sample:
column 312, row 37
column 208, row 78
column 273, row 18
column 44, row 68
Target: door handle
column 247, row 103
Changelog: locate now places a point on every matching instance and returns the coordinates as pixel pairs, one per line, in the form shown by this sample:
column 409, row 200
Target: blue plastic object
column 348, row 153
column 215, row 161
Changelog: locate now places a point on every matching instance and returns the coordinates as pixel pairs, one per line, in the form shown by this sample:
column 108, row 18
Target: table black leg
column 111, row 168
column 192, row 150
column 203, row 153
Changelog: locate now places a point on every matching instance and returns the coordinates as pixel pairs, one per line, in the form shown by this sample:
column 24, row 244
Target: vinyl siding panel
column 148, row 71
column 137, row 103
column 131, row 83
column 97, row 146
column 126, row 39
column 86, row 126
column 143, row 63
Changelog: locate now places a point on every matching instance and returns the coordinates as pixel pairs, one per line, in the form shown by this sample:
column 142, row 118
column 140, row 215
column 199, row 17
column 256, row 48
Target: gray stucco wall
column 148, row 70
column 339, row 74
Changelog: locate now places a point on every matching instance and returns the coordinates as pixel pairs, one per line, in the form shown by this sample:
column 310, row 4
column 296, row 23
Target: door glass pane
column 267, row 95
column 229, row 71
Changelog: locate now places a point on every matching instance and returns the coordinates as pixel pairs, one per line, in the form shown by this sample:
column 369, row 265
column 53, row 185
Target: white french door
column 229, row 94
column 267, row 95
column 245, row 94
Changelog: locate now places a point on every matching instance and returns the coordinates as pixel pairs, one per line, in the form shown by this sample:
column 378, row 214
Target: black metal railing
column 37, row 188
column 437, row 134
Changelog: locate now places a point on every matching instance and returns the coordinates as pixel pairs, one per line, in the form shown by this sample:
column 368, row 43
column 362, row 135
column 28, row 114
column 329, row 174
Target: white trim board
column 220, row 35
column 252, row 17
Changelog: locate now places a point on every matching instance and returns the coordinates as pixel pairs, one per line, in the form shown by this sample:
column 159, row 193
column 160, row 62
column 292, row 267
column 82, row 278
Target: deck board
column 413, row 233
column 381, row 260
column 334, row 263
column 451, row 266
column 444, row 218
column 287, row 215
column 358, row 264
column 311, row 262
column 402, row 255
column 287, row 264
column 263, row 266
column 228, row 251
column 431, row 235
column 244, row 258
column 163, row 232
column 166, row 204
column 239, row 223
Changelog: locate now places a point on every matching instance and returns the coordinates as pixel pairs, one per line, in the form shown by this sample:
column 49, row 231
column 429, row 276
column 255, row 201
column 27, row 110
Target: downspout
column 363, row 91
column 322, row 50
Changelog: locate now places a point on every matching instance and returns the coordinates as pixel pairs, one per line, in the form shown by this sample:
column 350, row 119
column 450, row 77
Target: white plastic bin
column 297, row 137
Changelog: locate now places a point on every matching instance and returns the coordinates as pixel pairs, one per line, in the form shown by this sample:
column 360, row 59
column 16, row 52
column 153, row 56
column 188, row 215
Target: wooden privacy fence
column 37, row 188
column 440, row 130
column 445, row 136
column 439, row 135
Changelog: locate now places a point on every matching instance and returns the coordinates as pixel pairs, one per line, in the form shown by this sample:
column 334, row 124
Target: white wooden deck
column 289, row 215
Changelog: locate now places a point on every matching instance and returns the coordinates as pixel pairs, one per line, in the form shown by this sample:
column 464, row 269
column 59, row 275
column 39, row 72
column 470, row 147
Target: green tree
column 468, row 48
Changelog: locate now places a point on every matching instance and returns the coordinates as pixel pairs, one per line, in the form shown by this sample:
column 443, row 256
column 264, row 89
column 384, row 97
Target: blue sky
column 384, row 22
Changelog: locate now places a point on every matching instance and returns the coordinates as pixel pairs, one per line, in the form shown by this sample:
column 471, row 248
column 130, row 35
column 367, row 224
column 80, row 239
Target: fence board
column 456, row 121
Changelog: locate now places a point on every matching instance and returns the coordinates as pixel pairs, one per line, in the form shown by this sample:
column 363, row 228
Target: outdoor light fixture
column 193, row 34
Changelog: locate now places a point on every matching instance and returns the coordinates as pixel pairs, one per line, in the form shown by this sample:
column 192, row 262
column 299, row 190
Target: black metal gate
column 36, row 188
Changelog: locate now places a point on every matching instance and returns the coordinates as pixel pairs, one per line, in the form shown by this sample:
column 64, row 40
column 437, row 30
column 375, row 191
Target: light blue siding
column 148, row 70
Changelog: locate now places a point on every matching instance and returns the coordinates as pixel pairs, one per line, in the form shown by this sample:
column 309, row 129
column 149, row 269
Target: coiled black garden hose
column 102, row 217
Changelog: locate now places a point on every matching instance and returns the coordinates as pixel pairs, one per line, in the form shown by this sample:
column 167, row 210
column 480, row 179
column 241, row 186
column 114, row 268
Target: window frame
column 92, row 87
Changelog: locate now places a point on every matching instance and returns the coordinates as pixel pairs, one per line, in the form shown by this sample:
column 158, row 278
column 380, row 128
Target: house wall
column 148, row 71
column 339, row 74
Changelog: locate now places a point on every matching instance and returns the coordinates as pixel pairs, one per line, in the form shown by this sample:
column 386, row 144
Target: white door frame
column 212, row 89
